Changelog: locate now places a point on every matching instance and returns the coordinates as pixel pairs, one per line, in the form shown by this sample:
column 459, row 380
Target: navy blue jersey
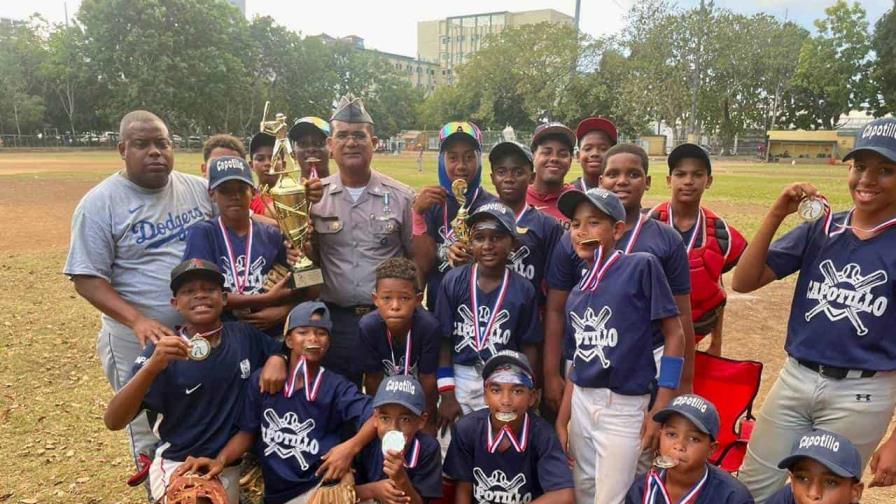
column 380, row 355
column 540, row 235
column 200, row 400
column 840, row 314
column 423, row 463
column 511, row 476
column 292, row 433
column 205, row 241
column 609, row 330
column 435, row 218
column 720, row 488
column 515, row 322
column 782, row 496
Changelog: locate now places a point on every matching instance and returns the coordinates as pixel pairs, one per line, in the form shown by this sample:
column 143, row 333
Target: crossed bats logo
column 497, row 488
column 591, row 330
column 396, row 369
column 846, row 294
column 466, row 328
column 288, row 437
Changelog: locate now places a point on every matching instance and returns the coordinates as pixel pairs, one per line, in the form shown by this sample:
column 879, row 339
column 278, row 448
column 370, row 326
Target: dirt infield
column 52, row 392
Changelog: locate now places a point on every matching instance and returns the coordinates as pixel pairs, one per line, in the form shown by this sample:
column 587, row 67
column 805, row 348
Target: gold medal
column 811, row 209
column 200, row 348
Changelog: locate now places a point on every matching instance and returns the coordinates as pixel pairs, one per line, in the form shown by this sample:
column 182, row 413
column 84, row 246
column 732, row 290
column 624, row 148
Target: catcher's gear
column 341, row 492
column 194, row 489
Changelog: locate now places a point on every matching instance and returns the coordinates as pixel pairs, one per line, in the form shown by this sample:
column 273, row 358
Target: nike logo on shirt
column 132, row 210
column 191, row 390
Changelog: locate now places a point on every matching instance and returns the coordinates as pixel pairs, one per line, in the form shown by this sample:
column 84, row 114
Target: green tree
column 883, row 98
column 22, row 53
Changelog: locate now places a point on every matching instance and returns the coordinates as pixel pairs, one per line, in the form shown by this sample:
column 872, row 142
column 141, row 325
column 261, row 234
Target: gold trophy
column 459, row 223
column 291, row 206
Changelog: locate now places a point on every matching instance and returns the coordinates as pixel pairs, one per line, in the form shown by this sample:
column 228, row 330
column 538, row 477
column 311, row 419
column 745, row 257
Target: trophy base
column 306, row 278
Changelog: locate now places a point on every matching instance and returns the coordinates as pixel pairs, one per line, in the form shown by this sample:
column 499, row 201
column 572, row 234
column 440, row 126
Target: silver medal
column 393, row 441
column 199, row 348
column 811, row 209
column 505, row 416
column 664, row 462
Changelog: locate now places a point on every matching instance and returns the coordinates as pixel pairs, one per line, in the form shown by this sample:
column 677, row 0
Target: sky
column 391, row 25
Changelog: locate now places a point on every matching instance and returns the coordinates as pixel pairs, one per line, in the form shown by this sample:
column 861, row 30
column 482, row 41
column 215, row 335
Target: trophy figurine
column 291, row 206
column 459, row 224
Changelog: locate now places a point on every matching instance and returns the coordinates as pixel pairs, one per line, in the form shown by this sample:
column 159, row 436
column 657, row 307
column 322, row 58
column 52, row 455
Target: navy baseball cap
column 689, row 150
column 878, row 136
column 192, row 269
column 604, row 200
column 829, row 449
column 300, row 316
column 261, row 140
column 508, row 359
column 698, row 410
column 498, row 211
column 403, row 390
column 589, row 124
column 553, row 129
column 226, row 168
column 505, row 148
column 309, row 124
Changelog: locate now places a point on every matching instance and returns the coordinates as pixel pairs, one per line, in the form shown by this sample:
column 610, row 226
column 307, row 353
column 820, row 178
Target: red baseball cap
column 597, row 124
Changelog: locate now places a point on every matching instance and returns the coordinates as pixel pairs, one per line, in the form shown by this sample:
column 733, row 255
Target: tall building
column 451, row 41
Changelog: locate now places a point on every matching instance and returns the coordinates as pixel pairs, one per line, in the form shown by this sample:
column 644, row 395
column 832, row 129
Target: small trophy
column 459, row 224
column 291, row 206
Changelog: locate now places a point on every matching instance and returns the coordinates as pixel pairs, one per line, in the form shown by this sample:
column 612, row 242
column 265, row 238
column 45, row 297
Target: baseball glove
column 341, row 492
column 193, row 489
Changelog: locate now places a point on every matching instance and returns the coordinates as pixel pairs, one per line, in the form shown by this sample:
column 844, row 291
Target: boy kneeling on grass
column 404, row 464
column 196, row 379
column 690, row 426
column 824, row 467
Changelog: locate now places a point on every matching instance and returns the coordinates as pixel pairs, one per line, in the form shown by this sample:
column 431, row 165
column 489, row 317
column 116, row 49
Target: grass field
column 53, row 444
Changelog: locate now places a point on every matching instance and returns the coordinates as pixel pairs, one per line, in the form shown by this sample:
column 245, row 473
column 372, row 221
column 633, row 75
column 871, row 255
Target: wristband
column 670, row 371
column 445, row 379
column 418, row 224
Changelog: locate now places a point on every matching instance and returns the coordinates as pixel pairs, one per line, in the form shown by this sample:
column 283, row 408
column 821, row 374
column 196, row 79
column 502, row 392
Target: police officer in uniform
column 363, row 218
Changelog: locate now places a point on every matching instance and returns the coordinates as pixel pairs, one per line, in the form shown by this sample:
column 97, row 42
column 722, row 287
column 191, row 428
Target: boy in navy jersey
column 245, row 250
column 485, row 308
column 840, row 332
column 195, row 380
column 824, row 467
column 690, row 426
column 713, row 246
column 460, row 157
column 625, row 174
column 595, row 136
column 506, row 453
column 613, row 313
column 400, row 337
column 296, row 432
column 414, row 471
column 537, row 233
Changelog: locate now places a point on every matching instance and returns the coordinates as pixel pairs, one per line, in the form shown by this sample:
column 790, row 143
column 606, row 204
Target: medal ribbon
column 520, row 215
column 636, row 232
column 449, row 233
column 415, row 455
column 480, row 338
column 656, row 488
column 183, row 333
column 519, row 444
column 407, row 351
column 596, row 273
column 582, row 184
column 239, row 286
column 699, row 228
column 311, row 389
column 846, row 225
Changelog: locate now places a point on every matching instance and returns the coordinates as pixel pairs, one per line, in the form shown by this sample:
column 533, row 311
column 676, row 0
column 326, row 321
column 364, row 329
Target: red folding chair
column 449, row 488
column 732, row 386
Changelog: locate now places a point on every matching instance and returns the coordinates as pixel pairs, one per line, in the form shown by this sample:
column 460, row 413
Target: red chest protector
column 707, row 263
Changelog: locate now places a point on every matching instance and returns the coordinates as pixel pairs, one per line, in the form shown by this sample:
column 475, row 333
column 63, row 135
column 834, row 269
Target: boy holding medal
column 485, row 307
column 690, row 426
column 296, row 432
column 506, row 453
column 824, row 467
column 840, row 332
column 612, row 315
column 403, row 461
column 713, row 246
column 195, row 380
column 400, row 337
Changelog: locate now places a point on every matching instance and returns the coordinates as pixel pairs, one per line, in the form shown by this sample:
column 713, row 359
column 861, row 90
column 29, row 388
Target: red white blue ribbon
column 636, row 232
column 519, row 443
column 480, row 338
column 311, row 388
column 414, row 455
column 407, row 351
column 238, row 286
column 846, row 224
column 655, row 489
column 519, row 216
column 592, row 279
column 699, row 228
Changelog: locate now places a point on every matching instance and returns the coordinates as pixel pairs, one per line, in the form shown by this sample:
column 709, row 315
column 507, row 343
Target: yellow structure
column 451, row 41
column 655, row 145
column 809, row 144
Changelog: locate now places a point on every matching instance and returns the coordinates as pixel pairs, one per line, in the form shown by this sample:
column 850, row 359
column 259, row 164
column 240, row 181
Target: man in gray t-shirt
column 128, row 234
